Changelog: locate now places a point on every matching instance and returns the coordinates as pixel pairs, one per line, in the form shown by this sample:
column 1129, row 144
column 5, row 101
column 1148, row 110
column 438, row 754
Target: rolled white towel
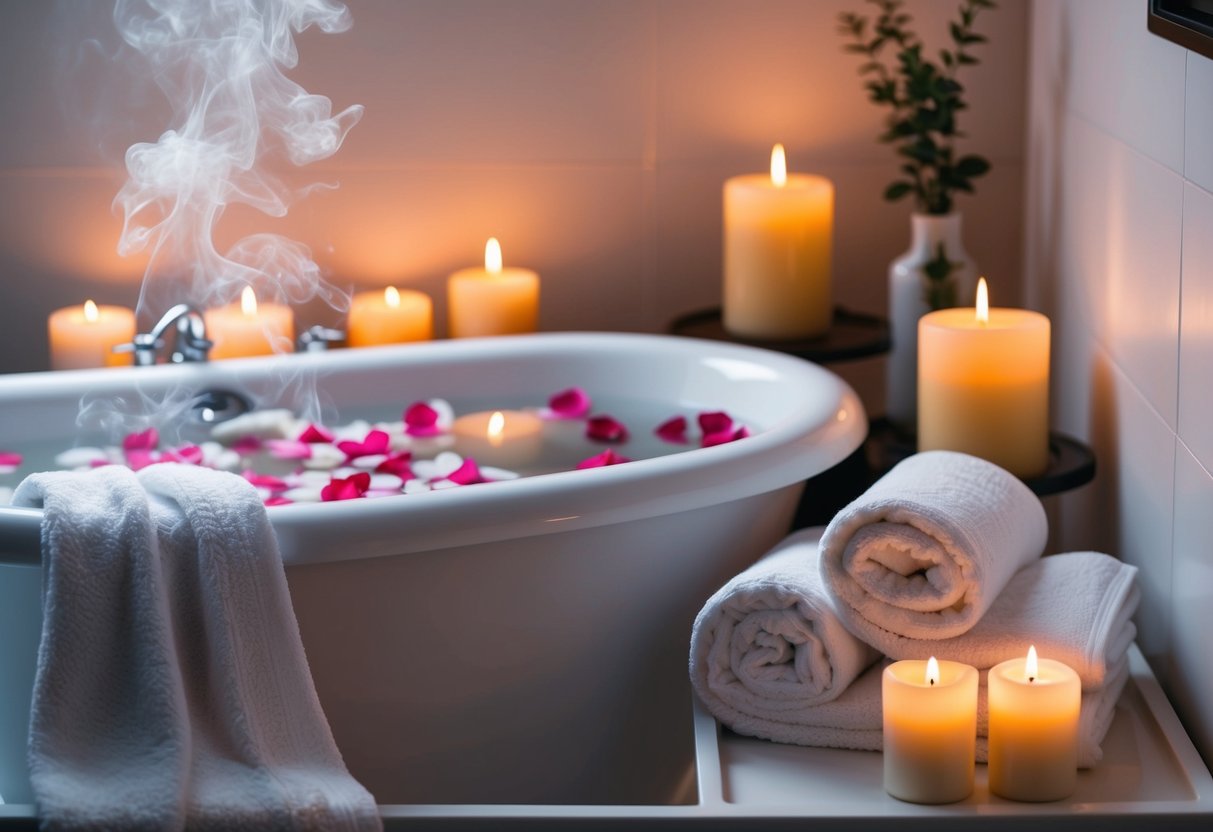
column 769, row 641
column 1076, row 608
column 927, row 549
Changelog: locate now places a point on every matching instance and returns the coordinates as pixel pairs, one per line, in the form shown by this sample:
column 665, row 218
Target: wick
column 932, row 681
column 1031, row 678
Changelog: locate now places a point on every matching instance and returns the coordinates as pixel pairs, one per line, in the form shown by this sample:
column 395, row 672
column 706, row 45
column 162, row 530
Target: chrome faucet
column 191, row 343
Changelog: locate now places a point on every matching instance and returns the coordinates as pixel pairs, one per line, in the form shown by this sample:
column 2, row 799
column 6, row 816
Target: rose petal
column 421, row 420
column 605, row 428
column 138, row 458
column 80, row 457
column 189, row 454
column 266, row 481
column 399, row 464
column 349, row 488
column 723, row 436
column 142, row 441
column 673, row 430
column 716, row 421
column 278, row 500
column 247, row 445
column 316, row 433
column 288, row 449
column 375, row 444
column 324, row 457
column 497, row 474
column 467, row 474
column 573, row 403
column 440, row 467
column 607, row 457
column 9, row 461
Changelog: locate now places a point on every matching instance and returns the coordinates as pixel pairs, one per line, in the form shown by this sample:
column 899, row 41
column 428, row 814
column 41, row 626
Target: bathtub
column 518, row 642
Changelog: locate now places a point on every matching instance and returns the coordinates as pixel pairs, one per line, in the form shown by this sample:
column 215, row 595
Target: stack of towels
column 943, row 557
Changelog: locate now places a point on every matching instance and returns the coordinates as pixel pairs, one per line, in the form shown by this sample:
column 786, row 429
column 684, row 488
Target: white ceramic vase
column 911, row 295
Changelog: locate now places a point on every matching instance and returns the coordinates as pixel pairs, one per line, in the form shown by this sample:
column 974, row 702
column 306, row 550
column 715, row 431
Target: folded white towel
column 769, row 640
column 1076, row 608
column 855, row 721
column 927, row 549
column 171, row 686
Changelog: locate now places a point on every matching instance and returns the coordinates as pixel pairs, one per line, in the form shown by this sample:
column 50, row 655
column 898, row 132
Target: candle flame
column 1030, row 669
column 391, row 296
column 932, row 671
column 779, row 166
column 248, row 302
column 90, row 312
column 983, row 302
column 492, row 256
column 496, row 426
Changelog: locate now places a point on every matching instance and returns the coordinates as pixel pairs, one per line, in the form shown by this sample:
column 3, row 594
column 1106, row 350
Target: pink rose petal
column 421, row 420
column 138, row 458
column 606, row 429
column 288, row 449
column 188, row 454
column 467, row 474
column 376, row 442
column 314, row 433
column 142, row 441
column 9, row 461
column 723, row 436
column 350, row 488
column 399, row 464
column 607, row 457
column 247, row 445
column 673, row 430
column 278, row 500
column 266, row 481
column 573, row 403
column 713, row 422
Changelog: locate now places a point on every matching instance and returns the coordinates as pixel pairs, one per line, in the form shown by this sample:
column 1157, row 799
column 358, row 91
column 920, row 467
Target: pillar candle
column 492, row 300
column 777, row 246
column 930, row 730
column 250, row 328
column 504, row 438
column 1034, row 707
column 983, row 384
column 390, row 317
column 84, row 336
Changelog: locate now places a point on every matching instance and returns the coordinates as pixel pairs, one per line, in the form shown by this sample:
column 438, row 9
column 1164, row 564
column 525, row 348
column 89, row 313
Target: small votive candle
column 250, row 328
column 85, row 336
column 1034, row 708
column 930, row 730
column 493, row 300
column 502, row 438
column 390, row 317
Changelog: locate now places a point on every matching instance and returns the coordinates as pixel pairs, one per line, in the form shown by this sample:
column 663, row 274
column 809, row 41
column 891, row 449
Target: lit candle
column 502, row 438
column 492, row 300
column 983, row 384
column 390, row 317
column 930, row 730
column 85, row 336
column 1034, row 707
column 777, row 231
column 250, row 328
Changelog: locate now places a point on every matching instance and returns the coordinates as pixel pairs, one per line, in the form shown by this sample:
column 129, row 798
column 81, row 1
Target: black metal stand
column 852, row 335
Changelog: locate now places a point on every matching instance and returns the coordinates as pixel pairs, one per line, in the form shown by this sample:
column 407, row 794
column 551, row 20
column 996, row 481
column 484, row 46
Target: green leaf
column 970, row 166
column 897, row 190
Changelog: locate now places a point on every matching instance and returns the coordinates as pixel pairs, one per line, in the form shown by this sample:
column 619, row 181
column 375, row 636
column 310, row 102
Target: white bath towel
column 171, row 687
column 1076, row 608
column 769, row 640
column 927, row 549
column 854, row 720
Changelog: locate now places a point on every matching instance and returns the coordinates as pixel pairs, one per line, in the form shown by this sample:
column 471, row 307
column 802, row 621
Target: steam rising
column 221, row 63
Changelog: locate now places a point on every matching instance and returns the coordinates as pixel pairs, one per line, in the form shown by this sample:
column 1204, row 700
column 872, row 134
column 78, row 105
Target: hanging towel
column 171, row 689
column 770, row 641
column 927, row 549
column 1076, row 608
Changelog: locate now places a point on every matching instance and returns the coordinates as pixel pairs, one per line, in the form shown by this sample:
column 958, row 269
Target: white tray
column 1150, row 771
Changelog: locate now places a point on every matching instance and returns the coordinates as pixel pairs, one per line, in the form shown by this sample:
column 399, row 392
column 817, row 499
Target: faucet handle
column 319, row 338
column 143, row 346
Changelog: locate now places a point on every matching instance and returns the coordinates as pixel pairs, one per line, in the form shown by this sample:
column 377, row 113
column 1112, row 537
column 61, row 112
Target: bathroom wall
column 1119, row 252
column 591, row 136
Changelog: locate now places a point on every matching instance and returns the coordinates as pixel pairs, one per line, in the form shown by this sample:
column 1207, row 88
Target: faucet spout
column 190, row 343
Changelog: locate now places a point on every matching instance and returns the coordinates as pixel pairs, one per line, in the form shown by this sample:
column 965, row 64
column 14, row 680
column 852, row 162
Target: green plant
column 924, row 98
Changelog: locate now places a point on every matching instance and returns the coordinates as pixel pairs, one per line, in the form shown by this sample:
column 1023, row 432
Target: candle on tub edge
column 85, row 336
column 250, row 328
column 390, row 317
column 1034, row 709
column 502, row 438
column 492, row 300
column 930, row 730
column 777, row 252
column 983, row 384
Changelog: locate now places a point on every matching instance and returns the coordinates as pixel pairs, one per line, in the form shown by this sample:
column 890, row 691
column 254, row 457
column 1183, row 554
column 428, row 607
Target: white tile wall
column 1196, row 330
column 1198, row 124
